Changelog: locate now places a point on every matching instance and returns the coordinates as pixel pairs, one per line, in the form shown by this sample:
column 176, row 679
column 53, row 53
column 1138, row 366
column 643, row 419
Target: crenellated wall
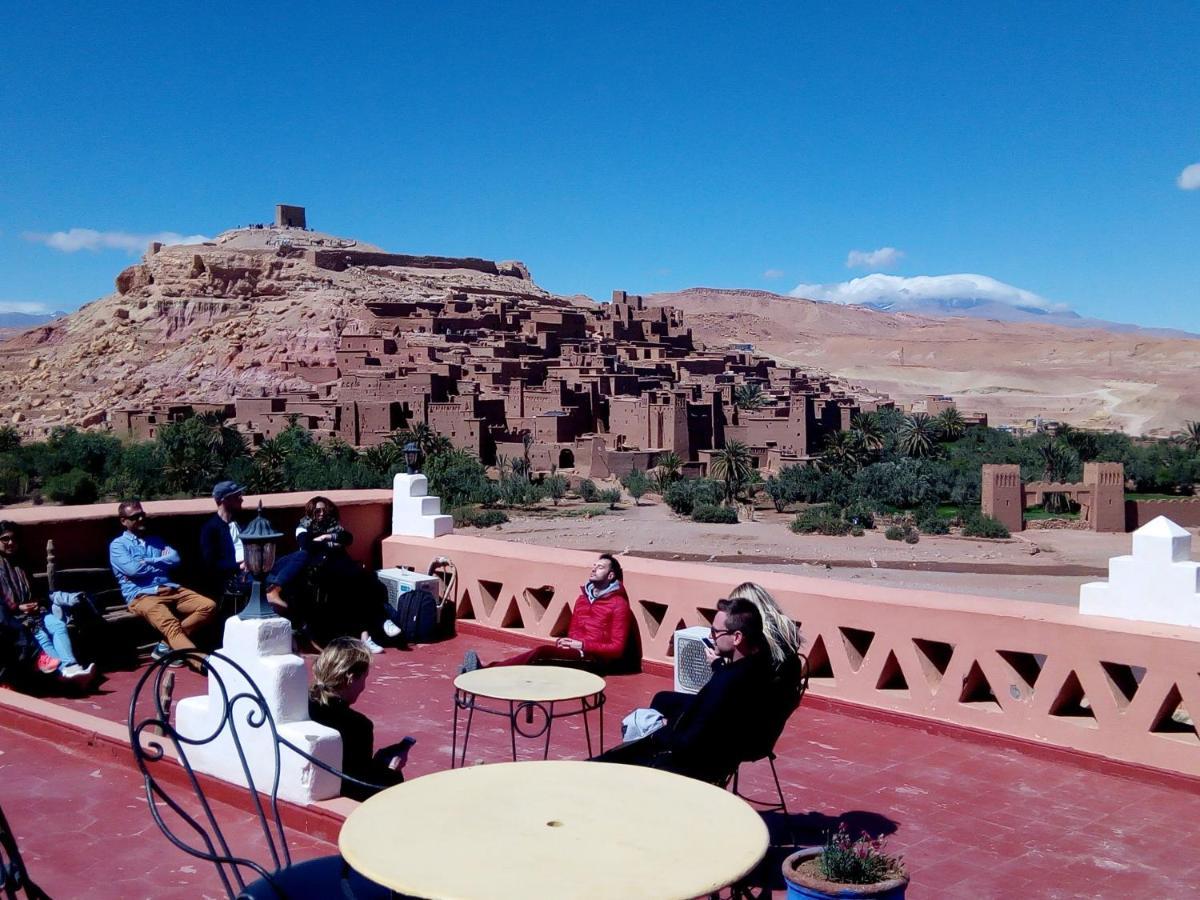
column 1032, row 671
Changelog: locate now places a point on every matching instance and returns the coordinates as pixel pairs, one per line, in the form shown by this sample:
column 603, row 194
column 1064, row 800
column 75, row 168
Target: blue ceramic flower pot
column 798, row 886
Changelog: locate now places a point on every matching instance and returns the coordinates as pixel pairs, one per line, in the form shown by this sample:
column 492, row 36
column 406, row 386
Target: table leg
column 549, row 722
column 512, row 727
column 462, row 761
column 587, row 731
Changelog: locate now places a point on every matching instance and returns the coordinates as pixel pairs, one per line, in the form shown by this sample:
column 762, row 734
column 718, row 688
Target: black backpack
column 417, row 615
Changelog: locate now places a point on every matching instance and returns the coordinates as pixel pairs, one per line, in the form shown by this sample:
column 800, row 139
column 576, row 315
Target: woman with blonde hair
column 783, row 637
column 338, row 679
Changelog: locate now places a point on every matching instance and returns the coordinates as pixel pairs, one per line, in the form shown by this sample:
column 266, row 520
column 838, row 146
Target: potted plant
column 845, row 868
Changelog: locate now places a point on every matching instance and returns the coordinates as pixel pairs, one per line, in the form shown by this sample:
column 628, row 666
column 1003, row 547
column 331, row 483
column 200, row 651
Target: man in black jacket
column 707, row 735
column 221, row 544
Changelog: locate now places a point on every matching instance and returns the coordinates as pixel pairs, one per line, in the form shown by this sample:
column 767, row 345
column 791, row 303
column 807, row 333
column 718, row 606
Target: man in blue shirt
column 142, row 567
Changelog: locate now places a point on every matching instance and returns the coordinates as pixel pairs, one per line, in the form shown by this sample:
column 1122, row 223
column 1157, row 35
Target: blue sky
column 637, row 146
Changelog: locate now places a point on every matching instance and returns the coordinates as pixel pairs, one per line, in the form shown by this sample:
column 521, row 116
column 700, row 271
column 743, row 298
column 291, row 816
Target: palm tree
column 868, row 431
column 1058, row 462
column 1191, row 436
column 950, row 424
column 918, row 436
column 749, row 396
column 668, row 468
column 732, row 465
column 843, row 453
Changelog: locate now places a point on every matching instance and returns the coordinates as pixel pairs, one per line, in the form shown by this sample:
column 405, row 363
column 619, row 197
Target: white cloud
column 1189, row 178
column 28, row 307
column 76, row 239
column 874, row 259
column 773, row 273
column 897, row 292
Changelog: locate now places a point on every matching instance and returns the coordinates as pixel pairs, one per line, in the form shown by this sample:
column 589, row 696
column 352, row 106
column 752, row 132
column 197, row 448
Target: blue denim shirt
column 141, row 565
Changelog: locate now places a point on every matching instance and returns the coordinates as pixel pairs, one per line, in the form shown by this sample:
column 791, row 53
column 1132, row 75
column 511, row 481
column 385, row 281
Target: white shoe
column 391, row 629
column 78, row 672
column 370, row 644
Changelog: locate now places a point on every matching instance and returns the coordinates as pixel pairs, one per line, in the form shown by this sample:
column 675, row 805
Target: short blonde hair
column 342, row 660
column 783, row 637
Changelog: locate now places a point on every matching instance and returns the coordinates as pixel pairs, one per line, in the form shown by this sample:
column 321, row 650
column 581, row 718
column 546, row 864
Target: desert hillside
column 1013, row 371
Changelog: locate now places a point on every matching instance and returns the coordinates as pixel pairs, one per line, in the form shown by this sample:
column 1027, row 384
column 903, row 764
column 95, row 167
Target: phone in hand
column 708, row 643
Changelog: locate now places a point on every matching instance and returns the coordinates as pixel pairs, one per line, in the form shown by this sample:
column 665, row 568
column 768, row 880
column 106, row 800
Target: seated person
column 34, row 637
column 142, row 564
column 782, row 635
column 339, row 677
column 322, row 563
column 599, row 636
column 221, row 549
column 707, row 735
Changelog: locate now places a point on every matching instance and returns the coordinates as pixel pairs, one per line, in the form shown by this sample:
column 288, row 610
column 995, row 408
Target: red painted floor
column 973, row 819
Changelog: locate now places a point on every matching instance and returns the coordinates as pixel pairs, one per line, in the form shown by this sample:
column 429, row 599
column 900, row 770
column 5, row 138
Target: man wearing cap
column 142, row 564
column 221, row 548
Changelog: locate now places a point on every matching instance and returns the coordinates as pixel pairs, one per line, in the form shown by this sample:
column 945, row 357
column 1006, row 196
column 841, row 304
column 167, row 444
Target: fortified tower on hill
column 289, row 216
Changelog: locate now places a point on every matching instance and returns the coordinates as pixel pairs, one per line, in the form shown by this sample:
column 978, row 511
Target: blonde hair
column 342, row 660
column 783, row 637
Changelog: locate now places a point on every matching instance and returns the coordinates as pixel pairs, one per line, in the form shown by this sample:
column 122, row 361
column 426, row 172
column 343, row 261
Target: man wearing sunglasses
column 142, row 564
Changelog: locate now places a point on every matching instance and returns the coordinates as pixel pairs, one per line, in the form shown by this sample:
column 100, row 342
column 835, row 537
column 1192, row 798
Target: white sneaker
column 370, row 644
column 78, row 672
column 391, row 629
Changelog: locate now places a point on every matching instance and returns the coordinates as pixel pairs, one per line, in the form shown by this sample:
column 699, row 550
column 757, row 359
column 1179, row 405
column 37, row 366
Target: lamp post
column 412, row 455
column 258, row 541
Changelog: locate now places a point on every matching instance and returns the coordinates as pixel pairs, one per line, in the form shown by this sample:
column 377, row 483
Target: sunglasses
column 136, row 517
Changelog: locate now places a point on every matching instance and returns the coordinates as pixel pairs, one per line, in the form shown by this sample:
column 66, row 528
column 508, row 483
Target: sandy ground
column 1045, row 566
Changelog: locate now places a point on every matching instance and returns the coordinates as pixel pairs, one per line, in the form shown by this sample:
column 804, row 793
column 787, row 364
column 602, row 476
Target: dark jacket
column 358, row 747
column 217, row 555
column 725, row 722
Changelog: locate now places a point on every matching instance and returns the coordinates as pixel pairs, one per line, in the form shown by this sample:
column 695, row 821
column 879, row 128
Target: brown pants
column 176, row 614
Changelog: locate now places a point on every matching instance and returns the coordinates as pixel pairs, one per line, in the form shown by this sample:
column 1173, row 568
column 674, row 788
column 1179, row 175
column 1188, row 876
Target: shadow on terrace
column 1004, row 748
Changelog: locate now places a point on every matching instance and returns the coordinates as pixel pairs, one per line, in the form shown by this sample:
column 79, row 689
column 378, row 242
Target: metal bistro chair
column 199, row 832
column 791, row 693
column 13, row 877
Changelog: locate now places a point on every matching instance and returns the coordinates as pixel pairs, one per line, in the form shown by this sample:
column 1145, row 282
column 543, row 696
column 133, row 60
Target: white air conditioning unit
column 401, row 581
column 692, row 670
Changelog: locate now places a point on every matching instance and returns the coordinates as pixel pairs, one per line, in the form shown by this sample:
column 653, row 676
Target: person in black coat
column 707, row 735
column 221, row 549
column 339, row 677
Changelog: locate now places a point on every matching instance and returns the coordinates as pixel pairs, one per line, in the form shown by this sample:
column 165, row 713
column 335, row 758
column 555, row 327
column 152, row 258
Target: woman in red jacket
column 601, row 630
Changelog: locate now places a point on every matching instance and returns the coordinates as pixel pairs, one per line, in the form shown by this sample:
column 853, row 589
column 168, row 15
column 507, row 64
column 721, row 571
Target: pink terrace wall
column 1033, row 671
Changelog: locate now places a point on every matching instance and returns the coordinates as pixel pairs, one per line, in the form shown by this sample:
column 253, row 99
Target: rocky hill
column 207, row 322
column 1095, row 377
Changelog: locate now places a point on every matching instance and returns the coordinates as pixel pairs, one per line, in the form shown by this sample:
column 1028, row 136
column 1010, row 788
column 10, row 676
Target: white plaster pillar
column 263, row 648
column 1157, row 583
column 414, row 512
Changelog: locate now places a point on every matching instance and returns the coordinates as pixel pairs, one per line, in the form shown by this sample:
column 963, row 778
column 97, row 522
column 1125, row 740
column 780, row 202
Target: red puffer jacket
column 602, row 625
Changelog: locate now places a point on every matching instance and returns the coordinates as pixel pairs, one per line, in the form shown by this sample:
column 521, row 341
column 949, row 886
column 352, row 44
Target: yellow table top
column 535, row 683
column 557, row 829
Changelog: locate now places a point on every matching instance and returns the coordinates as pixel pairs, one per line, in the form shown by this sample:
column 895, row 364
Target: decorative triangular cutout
column 1173, row 720
column 562, row 624
column 818, row 660
column 857, row 642
column 708, row 614
column 489, row 593
column 653, row 615
column 934, row 657
column 1026, row 668
column 1072, row 703
column 1123, row 680
column 539, row 600
column 466, row 609
column 512, row 615
column 976, row 691
column 891, row 678
column 671, row 643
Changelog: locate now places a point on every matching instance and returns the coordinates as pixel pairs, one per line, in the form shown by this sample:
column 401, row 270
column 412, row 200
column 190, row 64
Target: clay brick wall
column 1003, row 495
column 1185, row 511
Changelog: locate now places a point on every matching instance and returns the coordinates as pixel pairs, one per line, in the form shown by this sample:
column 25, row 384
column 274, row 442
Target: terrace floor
column 974, row 818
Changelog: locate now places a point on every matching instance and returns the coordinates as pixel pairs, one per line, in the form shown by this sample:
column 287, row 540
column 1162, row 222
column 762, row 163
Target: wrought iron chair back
column 13, row 876
column 175, row 793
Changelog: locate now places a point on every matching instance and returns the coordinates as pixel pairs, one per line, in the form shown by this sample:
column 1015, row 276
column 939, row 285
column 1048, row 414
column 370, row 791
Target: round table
column 529, row 830
column 526, row 692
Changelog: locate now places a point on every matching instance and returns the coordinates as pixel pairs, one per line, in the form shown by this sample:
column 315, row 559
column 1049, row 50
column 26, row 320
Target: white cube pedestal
column 414, row 512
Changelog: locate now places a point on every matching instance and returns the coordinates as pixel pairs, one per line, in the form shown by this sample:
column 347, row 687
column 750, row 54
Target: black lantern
column 412, row 455
column 258, row 542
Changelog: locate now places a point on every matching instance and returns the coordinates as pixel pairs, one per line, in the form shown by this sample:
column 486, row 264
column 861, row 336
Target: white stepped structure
column 414, row 512
column 1157, row 583
column 263, row 648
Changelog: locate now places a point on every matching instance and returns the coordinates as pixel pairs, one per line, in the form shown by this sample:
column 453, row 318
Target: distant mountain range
column 18, row 320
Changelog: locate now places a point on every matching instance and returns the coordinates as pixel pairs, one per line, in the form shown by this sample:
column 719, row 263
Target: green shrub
column 856, row 531
column 714, row 515
column 979, row 525
column 588, row 491
column 911, row 535
column 859, row 514
column 894, row 533
column 459, row 479
column 637, row 484
column 518, row 491
column 73, row 487
column 685, row 495
column 611, row 496
column 555, row 487
column 936, row 525
column 475, row 517
column 825, row 520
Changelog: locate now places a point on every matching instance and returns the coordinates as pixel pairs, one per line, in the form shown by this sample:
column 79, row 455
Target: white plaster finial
column 414, row 512
column 1157, row 583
